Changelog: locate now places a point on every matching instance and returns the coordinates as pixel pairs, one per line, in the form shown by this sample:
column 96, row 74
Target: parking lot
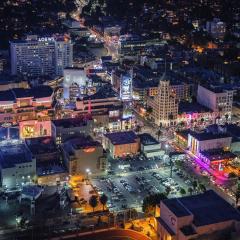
column 129, row 182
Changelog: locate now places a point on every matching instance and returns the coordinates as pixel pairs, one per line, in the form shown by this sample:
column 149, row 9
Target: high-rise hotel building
column 38, row 56
column 164, row 105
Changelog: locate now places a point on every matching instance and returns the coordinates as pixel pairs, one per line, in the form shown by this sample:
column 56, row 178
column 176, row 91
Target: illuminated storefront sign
column 89, row 149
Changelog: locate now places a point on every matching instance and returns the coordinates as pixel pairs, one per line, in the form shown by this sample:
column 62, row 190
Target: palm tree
column 182, row 191
column 159, row 133
column 103, row 200
column 93, row 201
column 190, row 190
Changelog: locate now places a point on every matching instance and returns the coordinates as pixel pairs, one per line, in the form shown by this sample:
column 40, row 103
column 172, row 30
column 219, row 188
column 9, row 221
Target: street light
column 88, row 173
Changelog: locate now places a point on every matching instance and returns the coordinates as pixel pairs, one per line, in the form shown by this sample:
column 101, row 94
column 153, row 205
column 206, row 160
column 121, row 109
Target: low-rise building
column 189, row 113
column 199, row 142
column 83, row 155
column 150, row 146
column 17, row 165
column 205, row 215
column 63, row 129
column 120, row 144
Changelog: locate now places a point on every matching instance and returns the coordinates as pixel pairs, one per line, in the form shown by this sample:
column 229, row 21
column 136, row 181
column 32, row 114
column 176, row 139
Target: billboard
column 126, row 87
column 34, row 129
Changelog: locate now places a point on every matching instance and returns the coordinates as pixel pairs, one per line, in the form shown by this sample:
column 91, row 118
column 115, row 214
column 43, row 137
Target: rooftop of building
column 36, row 92
column 218, row 155
column 146, row 139
column 207, row 208
column 81, row 142
column 118, row 138
column 13, row 154
column 192, row 107
column 105, row 91
column 71, row 122
column 203, row 136
column 184, row 133
column 50, row 167
column 41, row 145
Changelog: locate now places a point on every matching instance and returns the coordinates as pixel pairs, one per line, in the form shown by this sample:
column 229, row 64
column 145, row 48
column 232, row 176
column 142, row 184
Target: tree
column 202, row 187
column 93, row 201
column 194, row 185
column 182, row 191
column 103, row 200
column 150, row 202
column 167, row 190
column 190, row 190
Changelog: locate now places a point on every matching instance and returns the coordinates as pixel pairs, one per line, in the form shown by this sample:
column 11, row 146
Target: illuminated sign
column 89, row 149
column 34, row 128
column 46, row 39
column 126, row 87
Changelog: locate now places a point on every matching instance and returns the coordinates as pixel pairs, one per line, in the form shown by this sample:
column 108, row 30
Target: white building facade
column 38, row 56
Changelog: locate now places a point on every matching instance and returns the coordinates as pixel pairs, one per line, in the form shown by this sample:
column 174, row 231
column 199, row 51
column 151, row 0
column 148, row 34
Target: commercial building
column 216, row 28
column 122, row 83
column 64, row 129
column 74, row 83
column 202, row 216
column 34, row 129
column 164, row 105
column 218, row 100
column 50, row 168
column 191, row 113
column 38, row 56
column 105, row 108
column 199, row 142
column 120, row 144
column 21, row 104
column 83, row 155
column 150, row 147
column 17, row 165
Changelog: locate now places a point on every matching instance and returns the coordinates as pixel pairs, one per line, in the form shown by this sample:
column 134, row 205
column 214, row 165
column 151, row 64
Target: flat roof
column 81, row 142
column 36, row 92
column 71, row 122
column 41, row 145
column 118, row 138
column 12, row 154
column 203, row 136
column 218, row 154
column 190, row 107
column 105, row 91
column 207, row 208
column 147, row 139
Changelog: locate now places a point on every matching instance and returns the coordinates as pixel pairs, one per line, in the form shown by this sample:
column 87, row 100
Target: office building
column 164, row 106
column 218, row 100
column 202, row 216
column 41, row 56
